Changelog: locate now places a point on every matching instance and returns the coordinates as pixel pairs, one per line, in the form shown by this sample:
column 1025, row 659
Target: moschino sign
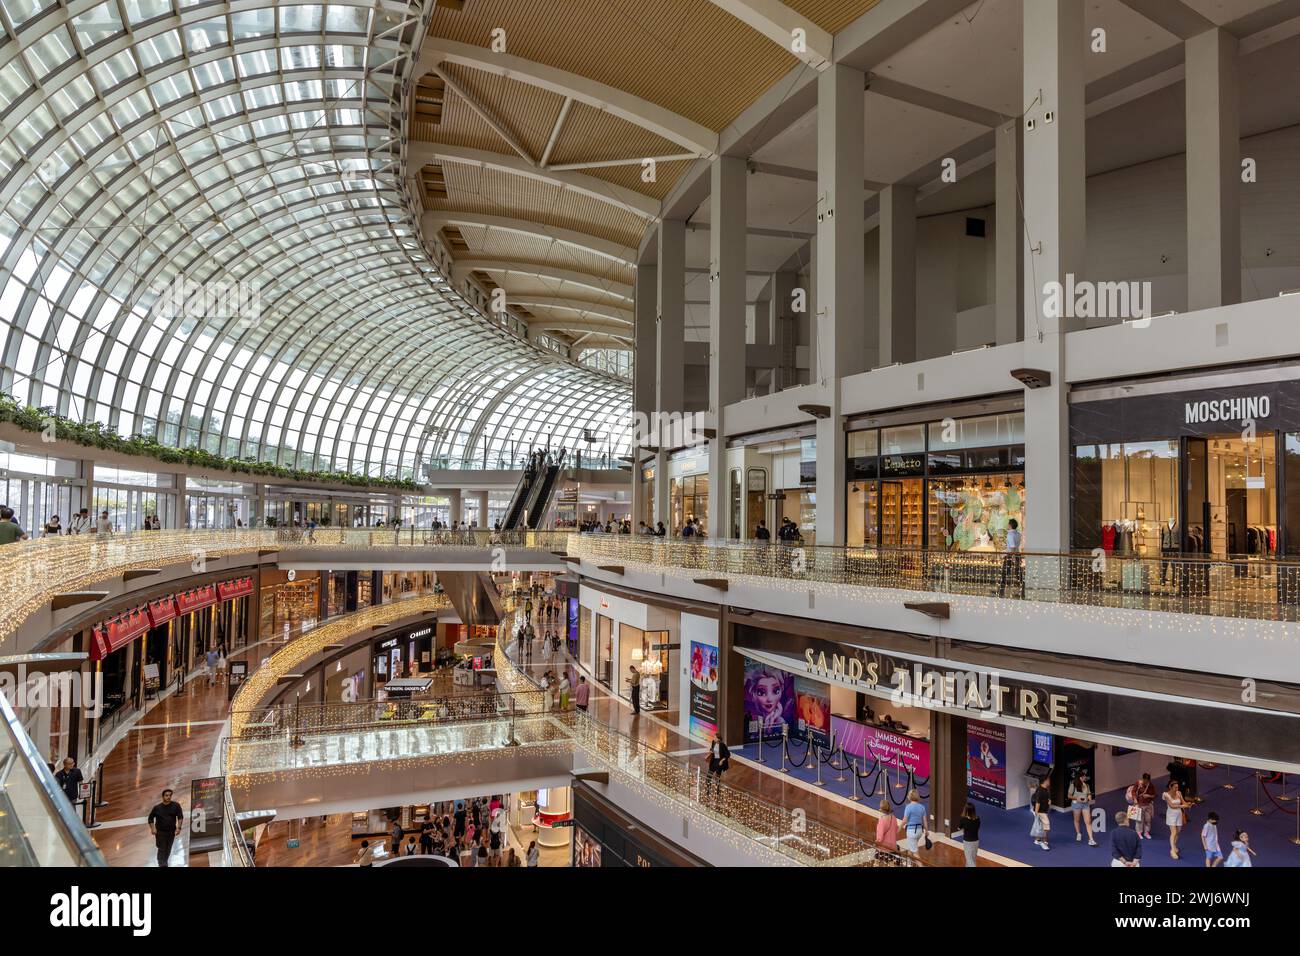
column 913, row 684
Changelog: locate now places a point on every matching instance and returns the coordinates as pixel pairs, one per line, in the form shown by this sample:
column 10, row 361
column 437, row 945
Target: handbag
column 1036, row 830
column 1134, row 812
column 929, row 844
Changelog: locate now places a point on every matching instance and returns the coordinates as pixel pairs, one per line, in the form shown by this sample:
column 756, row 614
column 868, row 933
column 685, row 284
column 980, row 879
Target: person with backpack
column 1142, row 795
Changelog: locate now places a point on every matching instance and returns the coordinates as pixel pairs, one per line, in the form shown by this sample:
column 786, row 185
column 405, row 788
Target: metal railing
column 38, row 826
column 297, row 720
column 1238, row 586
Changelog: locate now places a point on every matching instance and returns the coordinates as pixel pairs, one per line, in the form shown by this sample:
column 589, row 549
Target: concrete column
column 1213, row 171
column 1055, row 223
column 670, row 336
column 839, row 278
column 1009, row 226
column 483, row 510
column 897, row 274
column 644, row 378
column 454, row 510
column 807, row 320
column 726, row 322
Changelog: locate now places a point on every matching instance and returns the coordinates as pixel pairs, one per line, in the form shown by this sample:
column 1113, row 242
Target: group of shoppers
column 471, row 832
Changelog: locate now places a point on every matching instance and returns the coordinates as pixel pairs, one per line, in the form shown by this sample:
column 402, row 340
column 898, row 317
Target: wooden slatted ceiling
column 522, row 248
column 496, row 193
column 666, row 176
column 527, row 111
column 427, row 101
column 831, row 15
column 592, row 134
column 685, row 55
column 435, row 184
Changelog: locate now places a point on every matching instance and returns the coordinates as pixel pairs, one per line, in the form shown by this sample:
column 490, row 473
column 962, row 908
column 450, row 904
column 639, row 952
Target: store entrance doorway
column 1232, row 495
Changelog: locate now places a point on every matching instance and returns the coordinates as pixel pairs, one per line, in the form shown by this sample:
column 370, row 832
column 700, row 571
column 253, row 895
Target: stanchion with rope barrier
column 785, row 742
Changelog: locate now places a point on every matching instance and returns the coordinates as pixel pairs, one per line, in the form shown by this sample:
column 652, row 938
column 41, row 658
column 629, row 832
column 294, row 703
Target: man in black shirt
column 164, row 820
column 69, row 779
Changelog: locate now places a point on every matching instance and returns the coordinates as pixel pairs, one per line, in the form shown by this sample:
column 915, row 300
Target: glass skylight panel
column 97, row 25
column 142, row 11
column 50, row 52
column 253, row 23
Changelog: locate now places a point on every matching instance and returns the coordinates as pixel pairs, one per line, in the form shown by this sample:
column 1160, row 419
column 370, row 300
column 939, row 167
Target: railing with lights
column 38, row 826
column 1236, row 587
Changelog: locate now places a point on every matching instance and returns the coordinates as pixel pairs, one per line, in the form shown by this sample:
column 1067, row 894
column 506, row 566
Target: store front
column 772, row 477
column 948, row 485
column 605, row 836
column 688, row 490
column 634, row 642
column 886, row 721
column 290, row 600
column 1163, row 468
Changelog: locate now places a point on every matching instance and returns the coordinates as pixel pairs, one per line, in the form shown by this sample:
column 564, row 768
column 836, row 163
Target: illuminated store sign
column 918, row 685
column 1227, row 410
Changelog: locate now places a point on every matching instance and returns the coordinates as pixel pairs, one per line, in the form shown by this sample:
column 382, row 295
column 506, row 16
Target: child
column 1241, row 851
column 1210, row 841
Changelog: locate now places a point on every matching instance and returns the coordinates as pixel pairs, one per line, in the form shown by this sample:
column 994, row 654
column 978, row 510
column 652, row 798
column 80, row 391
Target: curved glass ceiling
column 205, row 235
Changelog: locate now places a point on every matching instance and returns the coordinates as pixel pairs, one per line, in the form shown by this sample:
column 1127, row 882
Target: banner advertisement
column 813, row 711
column 870, row 744
column 769, row 701
column 986, row 763
column 207, row 813
column 704, row 690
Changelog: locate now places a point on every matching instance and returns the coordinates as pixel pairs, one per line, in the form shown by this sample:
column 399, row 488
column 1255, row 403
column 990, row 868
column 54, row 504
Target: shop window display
column 972, row 514
column 1126, row 498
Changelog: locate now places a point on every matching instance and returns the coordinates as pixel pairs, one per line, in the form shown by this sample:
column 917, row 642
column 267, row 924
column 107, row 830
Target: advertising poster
column 572, row 634
column 871, row 744
column 704, row 690
column 813, row 710
column 986, row 763
column 586, row 851
column 769, row 701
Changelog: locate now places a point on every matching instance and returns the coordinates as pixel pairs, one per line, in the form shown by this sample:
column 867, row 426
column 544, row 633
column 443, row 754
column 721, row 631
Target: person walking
column 1175, row 815
column 104, row 525
column 1210, row 841
column 564, row 692
column 761, row 533
column 1041, row 806
column 533, row 853
column 80, row 523
column 210, row 663
column 887, row 827
column 634, row 684
column 916, row 830
column 719, row 758
column 970, row 834
column 583, row 694
column 1144, row 798
column 1011, row 560
column 1241, row 852
column 69, row 779
column 1125, row 846
column 52, row 527
column 395, row 834
column 164, row 820
column 1081, row 806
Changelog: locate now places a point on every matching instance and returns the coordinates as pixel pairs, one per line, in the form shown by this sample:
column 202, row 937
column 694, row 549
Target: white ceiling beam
column 1172, row 15
column 672, row 126
column 630, row 161
column 936, row 102
column 587, row 326
column 421, row 154
column 778, row 23
column 505, row 269
column 486, row 116
column 433, row 221
column 556, row 130
column 611, row 312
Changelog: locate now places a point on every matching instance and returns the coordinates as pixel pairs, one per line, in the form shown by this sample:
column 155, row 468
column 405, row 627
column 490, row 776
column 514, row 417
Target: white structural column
column 726, row 323
column 1009, row 228
column 840, row 278
column 483, row 510
column 1213, row 171
column 454, row 510
column 669, row 346
column 1054, row 43
column 897, row 274
column 644, row 376
column 785, row 328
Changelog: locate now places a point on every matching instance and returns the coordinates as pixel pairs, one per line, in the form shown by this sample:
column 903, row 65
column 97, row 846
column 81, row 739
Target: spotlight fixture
column 1032, row 377
column 816, row 411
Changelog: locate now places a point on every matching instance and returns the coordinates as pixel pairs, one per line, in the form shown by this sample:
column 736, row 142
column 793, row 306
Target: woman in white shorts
column 1174, row 813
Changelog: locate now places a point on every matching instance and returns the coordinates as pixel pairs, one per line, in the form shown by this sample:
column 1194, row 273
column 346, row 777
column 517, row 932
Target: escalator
column 519, row 501
column 540, row 502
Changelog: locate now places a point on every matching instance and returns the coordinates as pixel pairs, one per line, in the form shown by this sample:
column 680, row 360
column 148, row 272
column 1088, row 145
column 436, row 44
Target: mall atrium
column 650, row 433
